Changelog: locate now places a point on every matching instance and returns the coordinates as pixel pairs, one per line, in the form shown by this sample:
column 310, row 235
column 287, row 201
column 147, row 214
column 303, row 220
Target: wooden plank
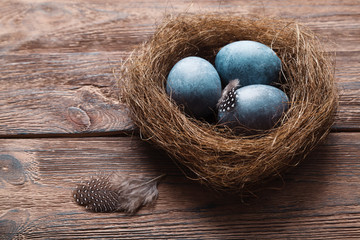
column 58, row 111
column 92, row 26
column 317, row 199
column 38, row 102
column 45, row 50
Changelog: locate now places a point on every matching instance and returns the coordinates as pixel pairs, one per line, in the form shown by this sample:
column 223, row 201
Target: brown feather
column 116, row 192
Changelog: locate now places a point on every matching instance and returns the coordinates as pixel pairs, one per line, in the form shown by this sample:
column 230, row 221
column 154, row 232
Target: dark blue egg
column 250, row 62
column 255, row 106
column 194, row 83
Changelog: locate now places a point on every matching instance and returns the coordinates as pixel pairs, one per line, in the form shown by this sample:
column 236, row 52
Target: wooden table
column 60, row 122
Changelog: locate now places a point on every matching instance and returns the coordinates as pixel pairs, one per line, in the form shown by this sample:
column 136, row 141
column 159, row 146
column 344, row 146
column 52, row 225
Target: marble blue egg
column 249, row 61
column 256, row 106
column 194, row 83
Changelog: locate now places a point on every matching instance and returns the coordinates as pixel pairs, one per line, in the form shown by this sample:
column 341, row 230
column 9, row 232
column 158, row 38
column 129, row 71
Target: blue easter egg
column 255, row 107
column 250, row 62
column 194, row 83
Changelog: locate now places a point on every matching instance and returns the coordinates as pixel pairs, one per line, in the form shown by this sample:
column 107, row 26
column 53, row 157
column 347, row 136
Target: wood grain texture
column 51, row 46
column 58, row 111
column 58, row 78
column 318, row 199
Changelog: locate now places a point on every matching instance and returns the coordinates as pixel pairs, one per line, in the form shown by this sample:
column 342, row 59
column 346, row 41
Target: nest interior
column 216, row 156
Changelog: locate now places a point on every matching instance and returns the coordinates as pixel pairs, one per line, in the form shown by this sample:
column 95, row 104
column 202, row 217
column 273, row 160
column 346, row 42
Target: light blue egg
column 194, row 83
column 250, row 62
column 255, row 106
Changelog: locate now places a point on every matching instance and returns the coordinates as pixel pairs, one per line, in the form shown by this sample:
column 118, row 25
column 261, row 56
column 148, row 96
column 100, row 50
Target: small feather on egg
column 228, row 96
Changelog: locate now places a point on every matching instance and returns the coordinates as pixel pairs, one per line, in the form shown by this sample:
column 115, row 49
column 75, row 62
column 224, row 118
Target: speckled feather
column 116, row 192
column 228, row 96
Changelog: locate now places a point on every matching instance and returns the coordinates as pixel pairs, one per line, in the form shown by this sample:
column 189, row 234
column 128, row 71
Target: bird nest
column 216, row 155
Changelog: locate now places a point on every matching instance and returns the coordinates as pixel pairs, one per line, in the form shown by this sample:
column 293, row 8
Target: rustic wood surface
column 58, row 63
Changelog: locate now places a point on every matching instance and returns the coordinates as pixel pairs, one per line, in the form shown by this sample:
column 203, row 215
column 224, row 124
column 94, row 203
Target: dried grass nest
column 215, row 155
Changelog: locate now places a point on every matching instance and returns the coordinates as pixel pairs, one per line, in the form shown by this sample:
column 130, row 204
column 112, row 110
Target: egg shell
column 256, row 107
column 194, row 83
column 249, row 61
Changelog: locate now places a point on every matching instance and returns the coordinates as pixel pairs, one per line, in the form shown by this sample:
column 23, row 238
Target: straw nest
column 215, row 155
